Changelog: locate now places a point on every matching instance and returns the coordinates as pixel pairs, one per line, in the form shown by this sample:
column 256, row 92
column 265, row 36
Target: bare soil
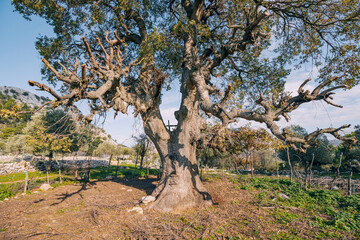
column 99, row 210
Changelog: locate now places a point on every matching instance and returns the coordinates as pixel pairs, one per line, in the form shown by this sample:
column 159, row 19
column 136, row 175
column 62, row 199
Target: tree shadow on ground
column 63, row 196
column 145, row 184
column 141, row 183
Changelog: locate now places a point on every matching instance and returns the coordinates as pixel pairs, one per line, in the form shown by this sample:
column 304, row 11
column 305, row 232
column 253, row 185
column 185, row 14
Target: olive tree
column 230, row 58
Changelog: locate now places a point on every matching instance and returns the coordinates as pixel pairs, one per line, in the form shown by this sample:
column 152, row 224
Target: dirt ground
column 99, row 210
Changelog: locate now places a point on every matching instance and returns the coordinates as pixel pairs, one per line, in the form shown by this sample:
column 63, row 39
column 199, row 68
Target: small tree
column 142, row 147
column 105, row 148
column 43, row 142
column 44, row 138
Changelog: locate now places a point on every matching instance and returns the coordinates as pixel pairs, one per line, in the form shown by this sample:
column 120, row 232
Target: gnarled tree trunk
column 180, row 186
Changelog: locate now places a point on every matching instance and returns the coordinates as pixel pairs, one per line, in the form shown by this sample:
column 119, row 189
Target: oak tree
column 230, row 58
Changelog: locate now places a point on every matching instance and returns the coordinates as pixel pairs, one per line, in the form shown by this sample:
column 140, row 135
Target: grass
column 11, row 189
column 99, row 173
column 330, row 210
column 12, row 186
column 7, row 191
column 21, row 176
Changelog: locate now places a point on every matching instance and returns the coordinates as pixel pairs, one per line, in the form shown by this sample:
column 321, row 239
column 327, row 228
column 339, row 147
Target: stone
column 45, row 187
column 6, row 199
column 147, row 199
column 283, row 196
column 129, row 190
column 334, row 188
column 138, row 210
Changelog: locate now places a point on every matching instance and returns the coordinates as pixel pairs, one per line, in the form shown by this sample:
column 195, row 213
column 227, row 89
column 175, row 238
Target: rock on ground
column 283, row 196
column 147, row 199
column 138, row 210
column 45, row 187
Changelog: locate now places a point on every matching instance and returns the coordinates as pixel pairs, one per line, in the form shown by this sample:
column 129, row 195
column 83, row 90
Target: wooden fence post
column 108, row 169
column 117, row 166
column 349, row 183
column 26, row 182
column 289, row 162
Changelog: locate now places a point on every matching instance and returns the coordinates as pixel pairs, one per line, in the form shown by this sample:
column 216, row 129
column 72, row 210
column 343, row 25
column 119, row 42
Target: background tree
column 318, row 156
column 48, row 143
column 322, row 151
column 350, row 152
column 234, row 142
column 105, row 148
column 13, row 116
column 131, row 50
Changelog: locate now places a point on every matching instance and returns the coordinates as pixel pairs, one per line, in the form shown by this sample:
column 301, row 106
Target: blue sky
column 20, row 62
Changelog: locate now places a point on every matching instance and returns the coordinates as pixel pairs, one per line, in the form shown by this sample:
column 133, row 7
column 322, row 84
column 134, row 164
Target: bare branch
column 44, row 88
column 91, row 55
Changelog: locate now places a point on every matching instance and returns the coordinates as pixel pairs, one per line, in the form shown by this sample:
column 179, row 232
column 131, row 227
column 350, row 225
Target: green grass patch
column 130, row 170
column 7, row 191
column 340, row 212
column 21, row 176
column 284, row 217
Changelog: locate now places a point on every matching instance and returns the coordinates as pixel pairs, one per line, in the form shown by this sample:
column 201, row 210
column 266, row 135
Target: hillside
column 23, row 96
column 34, row 101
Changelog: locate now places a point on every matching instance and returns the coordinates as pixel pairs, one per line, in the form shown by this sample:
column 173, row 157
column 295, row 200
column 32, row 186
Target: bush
column 7, row 191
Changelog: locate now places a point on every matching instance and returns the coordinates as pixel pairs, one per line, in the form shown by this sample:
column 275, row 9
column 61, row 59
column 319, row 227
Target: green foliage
column 322, row 150
column 232, row 148
column 12, row 120
column 285, row 217
column 10, row 185
column 350, row 153
column 6, row 191
column 17, row 144
column 105, row 148
column 43, row 142
column 331, row 208
column 101, row 172
column 45, row 136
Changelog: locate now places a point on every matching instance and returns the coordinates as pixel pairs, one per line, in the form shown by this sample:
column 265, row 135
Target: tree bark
column 117, row 167
column 252, row 164
column 137, row 155
column 291, row 169
column 109, row 164
column 337, row 174
column 310, row 169
column 180, row 186
column 349, row 182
